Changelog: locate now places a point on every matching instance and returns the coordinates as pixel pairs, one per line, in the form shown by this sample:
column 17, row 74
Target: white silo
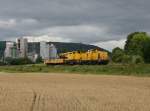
column 44, row 50
column 53, row 52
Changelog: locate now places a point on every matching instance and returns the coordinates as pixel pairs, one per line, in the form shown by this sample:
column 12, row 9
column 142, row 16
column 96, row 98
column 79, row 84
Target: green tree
column 135, row 43
column 146, row 51
column 138, row 43
column 136, row 59
column 129, row 38
column 126, row 59
column 117, row 55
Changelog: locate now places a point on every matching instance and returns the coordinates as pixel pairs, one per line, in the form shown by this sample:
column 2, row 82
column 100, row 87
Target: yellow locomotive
column 78, row 57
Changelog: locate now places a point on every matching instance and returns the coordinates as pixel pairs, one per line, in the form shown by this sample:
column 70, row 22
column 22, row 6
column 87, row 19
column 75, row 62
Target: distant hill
column 64, row 47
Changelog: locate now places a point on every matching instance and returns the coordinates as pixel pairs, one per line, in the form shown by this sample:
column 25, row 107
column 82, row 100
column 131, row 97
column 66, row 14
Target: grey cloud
column 109, row 20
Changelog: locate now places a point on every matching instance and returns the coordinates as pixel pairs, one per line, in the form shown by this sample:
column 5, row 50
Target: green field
column 111, row 69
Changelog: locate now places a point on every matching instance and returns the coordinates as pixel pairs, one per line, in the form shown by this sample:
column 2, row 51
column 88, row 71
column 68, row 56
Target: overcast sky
column 105, row 23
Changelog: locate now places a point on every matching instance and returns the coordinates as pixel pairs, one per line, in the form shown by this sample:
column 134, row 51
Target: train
column 89, row 57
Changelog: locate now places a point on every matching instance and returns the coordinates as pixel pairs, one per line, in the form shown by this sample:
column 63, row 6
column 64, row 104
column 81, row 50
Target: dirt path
column 61, row 92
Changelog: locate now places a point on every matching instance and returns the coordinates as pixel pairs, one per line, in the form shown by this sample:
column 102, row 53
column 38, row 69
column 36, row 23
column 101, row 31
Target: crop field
column 73, row 92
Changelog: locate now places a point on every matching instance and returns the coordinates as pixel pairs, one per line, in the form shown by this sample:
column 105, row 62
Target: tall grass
column 117, row 69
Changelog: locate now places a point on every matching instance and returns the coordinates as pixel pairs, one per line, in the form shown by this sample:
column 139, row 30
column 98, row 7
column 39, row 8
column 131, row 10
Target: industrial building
column 11, row 50
column 19, row 49
column 22, row 46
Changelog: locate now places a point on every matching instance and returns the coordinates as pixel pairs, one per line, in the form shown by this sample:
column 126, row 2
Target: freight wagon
column 78, row 57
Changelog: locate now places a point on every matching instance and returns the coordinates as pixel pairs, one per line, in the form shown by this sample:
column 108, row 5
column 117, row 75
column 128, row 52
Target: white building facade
column 8, row 49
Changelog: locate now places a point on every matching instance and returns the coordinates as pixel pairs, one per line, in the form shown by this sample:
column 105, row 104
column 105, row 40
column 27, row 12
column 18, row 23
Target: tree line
column 20, row 61
column 136, row 49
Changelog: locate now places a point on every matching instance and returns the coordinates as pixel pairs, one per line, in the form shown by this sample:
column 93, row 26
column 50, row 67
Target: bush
column 2, row 63
column 136, row 59
column 117, row 55
column 39, row 60
column 18, row 61
column 126, row 59
column 132, row 59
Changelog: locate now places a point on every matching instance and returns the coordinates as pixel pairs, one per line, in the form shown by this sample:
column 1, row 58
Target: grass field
column 111, row 69
column 69, row 92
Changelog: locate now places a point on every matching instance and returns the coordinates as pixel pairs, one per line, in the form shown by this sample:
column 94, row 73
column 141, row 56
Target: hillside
column 64, row 47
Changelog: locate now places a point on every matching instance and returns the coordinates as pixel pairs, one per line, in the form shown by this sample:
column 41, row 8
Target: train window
column 99, row 55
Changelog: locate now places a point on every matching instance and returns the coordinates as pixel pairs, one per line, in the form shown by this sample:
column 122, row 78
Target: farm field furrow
column 73, row 92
